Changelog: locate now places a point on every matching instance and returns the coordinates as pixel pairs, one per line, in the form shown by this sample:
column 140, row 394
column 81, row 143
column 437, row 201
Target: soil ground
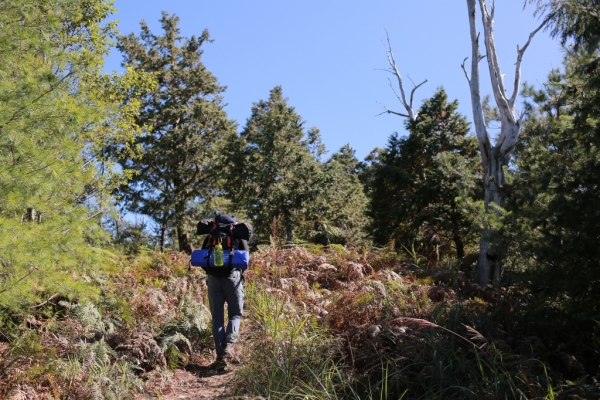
column 201, row 382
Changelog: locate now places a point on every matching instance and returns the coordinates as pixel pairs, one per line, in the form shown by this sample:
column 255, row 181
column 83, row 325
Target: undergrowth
column 340, row 324
column 149, row 320
column 320, row 323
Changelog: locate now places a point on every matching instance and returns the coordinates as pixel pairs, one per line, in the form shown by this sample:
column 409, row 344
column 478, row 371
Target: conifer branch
column 45, row 302
column 16, row 113
column 31, row 270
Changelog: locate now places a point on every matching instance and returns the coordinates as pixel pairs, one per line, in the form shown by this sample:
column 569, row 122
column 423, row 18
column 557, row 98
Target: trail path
column 200, row 382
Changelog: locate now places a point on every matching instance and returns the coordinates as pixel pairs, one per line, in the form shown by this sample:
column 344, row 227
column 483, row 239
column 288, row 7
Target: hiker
column 227, row 238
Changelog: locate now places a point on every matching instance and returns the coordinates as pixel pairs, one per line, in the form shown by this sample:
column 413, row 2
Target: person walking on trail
column 224, row 256
column 226, row 289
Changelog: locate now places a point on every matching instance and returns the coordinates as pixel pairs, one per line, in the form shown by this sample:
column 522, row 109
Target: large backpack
column 232, row 235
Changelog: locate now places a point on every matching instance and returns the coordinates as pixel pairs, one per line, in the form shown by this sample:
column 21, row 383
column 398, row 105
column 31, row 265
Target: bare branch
column 465, row 69
column 520, row 53
column 474, row 86
column 388, row 111
column 494, row 66
column 384, row 70
column 522, row 116
column 412, row 92
column 408, row 104
column 394, row 90
column 95, row 215
column 31, row 270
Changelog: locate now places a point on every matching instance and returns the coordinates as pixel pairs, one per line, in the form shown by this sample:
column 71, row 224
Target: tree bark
column 163, row 237
column 31, row 214
column 490, row 253
column 289, row 232
column 183, row 238
column 460, row 246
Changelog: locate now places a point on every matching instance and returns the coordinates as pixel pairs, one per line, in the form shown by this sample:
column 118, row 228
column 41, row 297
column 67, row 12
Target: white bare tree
column 393, row 69
column 494, row 156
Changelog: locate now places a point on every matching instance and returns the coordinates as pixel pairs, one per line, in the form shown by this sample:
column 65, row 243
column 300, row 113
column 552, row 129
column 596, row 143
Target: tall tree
column 555, row 204
column 494, row 156
column 57, row 114
column 272, row 172
column 418, row 179
column 340, row 212
column 185, row 124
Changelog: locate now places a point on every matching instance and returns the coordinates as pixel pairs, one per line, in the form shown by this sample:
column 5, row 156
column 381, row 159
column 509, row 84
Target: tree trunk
column 460, row 246
column 490, row 253
column 163, row 238
column 31, row 214
column 117, row 227
column 289, row 232
column 185, row 243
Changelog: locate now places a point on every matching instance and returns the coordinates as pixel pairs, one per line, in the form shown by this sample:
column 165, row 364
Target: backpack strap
column 230, row 245
column 212, row 242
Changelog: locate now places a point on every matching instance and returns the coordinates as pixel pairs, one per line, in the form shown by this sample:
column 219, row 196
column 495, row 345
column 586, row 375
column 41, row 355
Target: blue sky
column 326, row 55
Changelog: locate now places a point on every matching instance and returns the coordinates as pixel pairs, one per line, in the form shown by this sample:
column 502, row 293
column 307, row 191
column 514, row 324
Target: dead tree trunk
column 494, row 157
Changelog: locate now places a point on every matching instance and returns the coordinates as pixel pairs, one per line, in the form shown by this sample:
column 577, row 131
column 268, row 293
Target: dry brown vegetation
column 149, row 320
column 320, row 323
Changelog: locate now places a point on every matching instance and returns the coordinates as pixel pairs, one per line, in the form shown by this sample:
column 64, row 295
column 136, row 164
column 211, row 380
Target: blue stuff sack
column 200, row 258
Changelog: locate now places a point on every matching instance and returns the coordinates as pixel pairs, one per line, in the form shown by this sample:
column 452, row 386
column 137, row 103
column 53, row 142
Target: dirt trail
column 201, row 382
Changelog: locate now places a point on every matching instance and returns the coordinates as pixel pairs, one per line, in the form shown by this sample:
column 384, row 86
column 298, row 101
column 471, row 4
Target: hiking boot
column 231, row 355
column 232, row 358
column 219, row 364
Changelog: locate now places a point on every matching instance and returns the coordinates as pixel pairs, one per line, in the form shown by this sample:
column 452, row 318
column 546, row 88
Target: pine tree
column 272, row 173
column 56, row 114
column 417, row 180
column 185, row 124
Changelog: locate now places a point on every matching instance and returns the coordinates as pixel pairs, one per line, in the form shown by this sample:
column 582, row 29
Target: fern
column 87, row 314
column 175, row 356
column 104, row 377
column 193, row 321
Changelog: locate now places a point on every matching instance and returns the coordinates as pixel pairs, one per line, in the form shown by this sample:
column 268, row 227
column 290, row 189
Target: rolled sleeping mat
column 206, row 259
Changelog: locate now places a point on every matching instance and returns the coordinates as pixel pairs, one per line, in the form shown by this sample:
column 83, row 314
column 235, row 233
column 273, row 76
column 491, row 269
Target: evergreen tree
column 272, row 174
column 185, row 124
column 341, row 214
column 56, row 115
column 366, row 169
column 555, row 203
column 415, row 184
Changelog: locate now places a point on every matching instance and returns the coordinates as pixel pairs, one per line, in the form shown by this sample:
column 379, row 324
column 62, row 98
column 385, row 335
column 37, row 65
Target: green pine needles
column 57, row 114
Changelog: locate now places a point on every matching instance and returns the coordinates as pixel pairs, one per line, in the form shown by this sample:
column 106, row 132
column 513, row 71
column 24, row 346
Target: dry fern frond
column 143, row 351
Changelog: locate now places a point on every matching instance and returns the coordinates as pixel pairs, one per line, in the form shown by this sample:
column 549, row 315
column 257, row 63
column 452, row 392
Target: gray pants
column 230, row 290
